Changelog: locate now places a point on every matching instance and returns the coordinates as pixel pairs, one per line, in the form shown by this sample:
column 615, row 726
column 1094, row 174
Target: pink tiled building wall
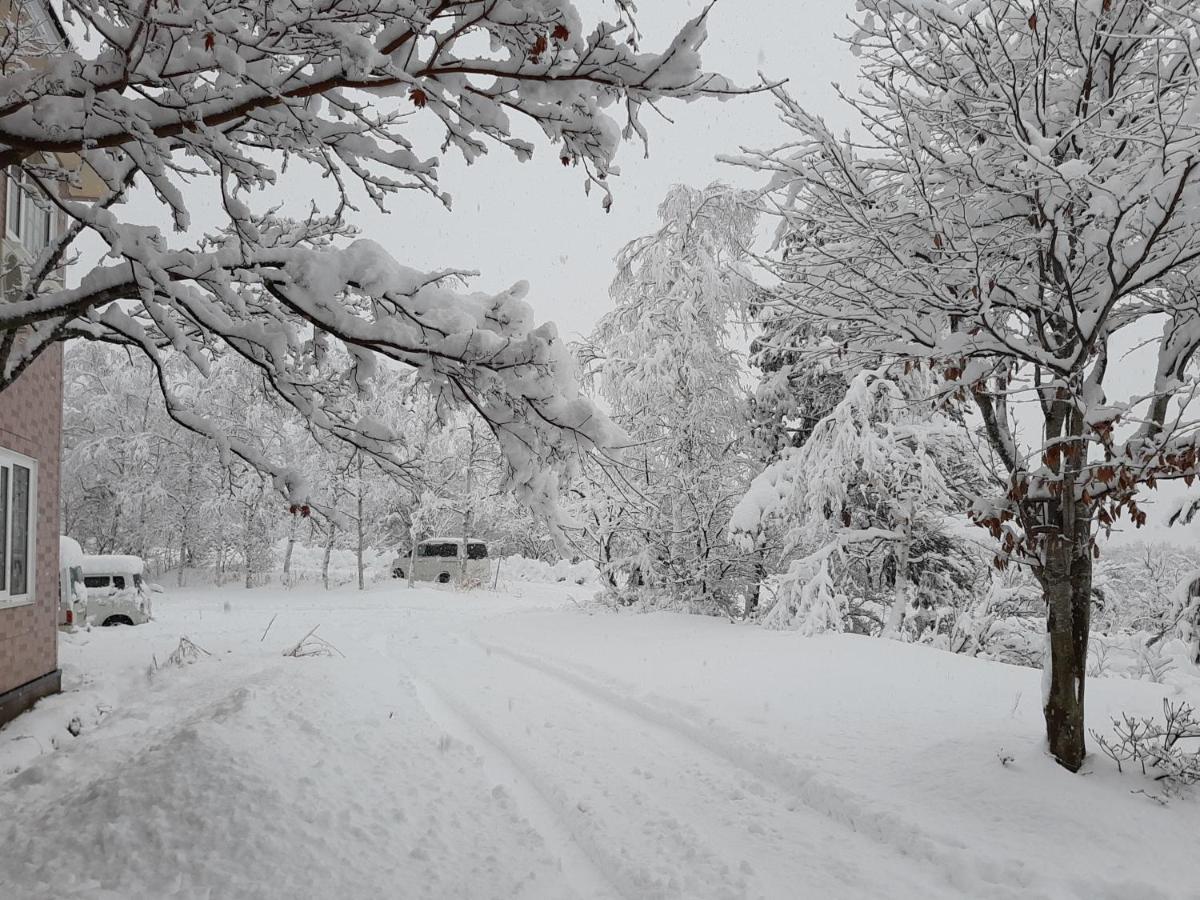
column 31, row 424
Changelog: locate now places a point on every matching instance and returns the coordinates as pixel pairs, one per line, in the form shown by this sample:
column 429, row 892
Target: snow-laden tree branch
column 242, row 98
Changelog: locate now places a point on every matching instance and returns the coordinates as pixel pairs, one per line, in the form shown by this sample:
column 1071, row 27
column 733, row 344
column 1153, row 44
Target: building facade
column 30, row 436
column 30, row 452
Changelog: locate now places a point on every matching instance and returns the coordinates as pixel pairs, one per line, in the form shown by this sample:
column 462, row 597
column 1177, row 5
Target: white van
column 117, row 592
column 72, row 593
column 437, row 560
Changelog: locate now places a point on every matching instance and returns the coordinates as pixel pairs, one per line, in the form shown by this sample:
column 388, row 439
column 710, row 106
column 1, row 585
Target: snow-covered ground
column 517, row 745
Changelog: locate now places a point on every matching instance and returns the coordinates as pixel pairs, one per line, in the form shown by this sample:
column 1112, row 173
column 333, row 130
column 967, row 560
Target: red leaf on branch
column 560, row 33
column 539, row 47
column 1033, row 22
column 418, row 97
column 209, row 41
column 566, row 161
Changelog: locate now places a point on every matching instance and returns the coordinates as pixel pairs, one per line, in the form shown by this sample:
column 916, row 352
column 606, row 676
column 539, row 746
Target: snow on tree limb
column 222, row 93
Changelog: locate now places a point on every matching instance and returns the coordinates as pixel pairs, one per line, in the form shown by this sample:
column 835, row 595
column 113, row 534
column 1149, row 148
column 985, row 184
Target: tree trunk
column 182, row 556
column 1067, row 587
column 325, row 559
column 287, row 553
column 361, row 581
column 895, row 619
column 248, row 546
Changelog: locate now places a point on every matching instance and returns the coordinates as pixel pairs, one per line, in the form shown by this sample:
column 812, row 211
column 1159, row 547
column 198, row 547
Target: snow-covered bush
column 1167, row 751
column 563, row 571
column 1141, row 586
column 866, row 502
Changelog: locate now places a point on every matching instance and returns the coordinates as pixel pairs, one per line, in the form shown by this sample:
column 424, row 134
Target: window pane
column 47, row 222
column 476, row 551
column 119, row 582
column 37, row 226
column 20, row 531
column 95, row 581
column 3, row 528
column 13, row 214
column 440, row 550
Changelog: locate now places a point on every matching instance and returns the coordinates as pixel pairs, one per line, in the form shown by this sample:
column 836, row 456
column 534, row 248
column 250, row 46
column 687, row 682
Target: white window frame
column 24, row 217
column 8, row 459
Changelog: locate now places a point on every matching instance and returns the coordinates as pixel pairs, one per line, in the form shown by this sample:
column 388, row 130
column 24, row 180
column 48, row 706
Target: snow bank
column 518, row 568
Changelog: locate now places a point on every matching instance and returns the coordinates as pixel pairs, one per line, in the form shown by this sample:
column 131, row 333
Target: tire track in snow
column 686, row 823
column 957, row 866
column 578, row 858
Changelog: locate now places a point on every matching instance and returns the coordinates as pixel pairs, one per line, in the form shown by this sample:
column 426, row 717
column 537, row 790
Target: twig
column 295, row 651
column 269, row 624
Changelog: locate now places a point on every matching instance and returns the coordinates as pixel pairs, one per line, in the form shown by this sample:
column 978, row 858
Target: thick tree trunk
column 1067, row 586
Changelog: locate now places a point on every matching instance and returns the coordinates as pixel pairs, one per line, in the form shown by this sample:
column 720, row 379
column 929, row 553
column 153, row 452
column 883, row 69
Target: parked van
column 117, row 591
column 437, row 560
column 72, row 593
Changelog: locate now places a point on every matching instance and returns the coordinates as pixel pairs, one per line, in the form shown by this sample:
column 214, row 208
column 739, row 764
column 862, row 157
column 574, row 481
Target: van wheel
column 397, row 572
column 444, row 578
column 117, row 620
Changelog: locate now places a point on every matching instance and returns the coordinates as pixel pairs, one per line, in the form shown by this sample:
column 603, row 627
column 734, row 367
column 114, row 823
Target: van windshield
column 475, row 549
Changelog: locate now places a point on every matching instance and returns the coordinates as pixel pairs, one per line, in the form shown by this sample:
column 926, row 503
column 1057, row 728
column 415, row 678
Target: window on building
column 96, row 581
column 18, row 525
column 26, row 220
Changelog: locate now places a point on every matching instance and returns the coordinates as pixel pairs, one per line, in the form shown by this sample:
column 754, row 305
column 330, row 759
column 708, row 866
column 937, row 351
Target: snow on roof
column 70, row 554
column 113, row 565
column 451, row 540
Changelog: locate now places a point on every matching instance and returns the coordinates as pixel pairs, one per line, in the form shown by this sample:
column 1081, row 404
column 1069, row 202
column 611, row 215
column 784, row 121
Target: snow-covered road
column 510, row 745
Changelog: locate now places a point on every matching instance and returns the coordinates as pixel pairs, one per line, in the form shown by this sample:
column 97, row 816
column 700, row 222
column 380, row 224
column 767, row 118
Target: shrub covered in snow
column 520, row 568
